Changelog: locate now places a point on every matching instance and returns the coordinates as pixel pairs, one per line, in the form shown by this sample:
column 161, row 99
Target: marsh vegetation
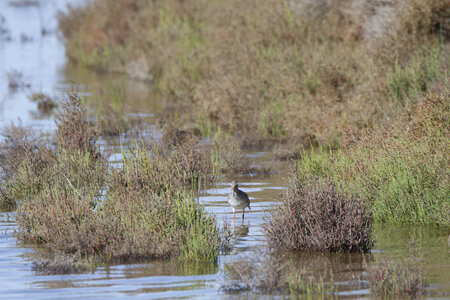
column 283, row 71
column 71, row 201
column 354, row 95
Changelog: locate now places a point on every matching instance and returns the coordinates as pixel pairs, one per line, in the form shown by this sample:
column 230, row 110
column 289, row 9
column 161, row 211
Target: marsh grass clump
column 400, row 279
column 23, row 158
column 318, row 216
column 85, row 212
column 187, row 149
column 5, row 32
column 113, row 123
column 159, row 225
column 75, row 131
column 45, row 103
column 160, row 218
column 221, row 153
column 109, row 109
column 16, row 80
column 228, row 156
column 57, row 197
column 400, row 169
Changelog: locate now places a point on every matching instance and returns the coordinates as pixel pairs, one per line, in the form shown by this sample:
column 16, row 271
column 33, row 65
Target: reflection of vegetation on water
column 5, row 32
column 306, row 274
column 16, row 80
column 323, row 276
column 169, row 267
column 240, row 230
column 426, row 243
column 402, row 278
column 401, row 274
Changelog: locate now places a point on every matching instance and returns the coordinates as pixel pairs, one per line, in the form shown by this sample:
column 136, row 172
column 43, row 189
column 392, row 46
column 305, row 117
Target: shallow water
column 174, row 279
column 42, row 61
column 45, row 68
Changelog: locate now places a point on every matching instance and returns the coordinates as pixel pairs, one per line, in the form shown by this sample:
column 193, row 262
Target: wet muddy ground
column 41, row 60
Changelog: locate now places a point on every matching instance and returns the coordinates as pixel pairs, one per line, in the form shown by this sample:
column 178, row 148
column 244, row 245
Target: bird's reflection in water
column 240, row 230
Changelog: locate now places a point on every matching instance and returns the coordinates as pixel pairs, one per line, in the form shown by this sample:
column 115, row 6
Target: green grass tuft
column 399, row 169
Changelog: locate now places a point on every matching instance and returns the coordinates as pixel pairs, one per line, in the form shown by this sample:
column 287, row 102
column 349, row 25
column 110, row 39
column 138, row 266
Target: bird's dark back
column 241, row 194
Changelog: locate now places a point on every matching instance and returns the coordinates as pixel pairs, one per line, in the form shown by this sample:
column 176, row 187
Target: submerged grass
column 69, row 200
column 281, row 71
column 400, row 169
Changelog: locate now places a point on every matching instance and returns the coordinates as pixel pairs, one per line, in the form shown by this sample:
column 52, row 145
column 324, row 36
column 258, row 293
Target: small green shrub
column 32, row 162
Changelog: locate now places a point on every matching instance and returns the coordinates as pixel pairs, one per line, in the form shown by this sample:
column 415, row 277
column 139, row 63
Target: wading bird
column 238, row 199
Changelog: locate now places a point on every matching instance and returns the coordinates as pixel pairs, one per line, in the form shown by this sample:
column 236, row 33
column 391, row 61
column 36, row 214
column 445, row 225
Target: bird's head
column 234, row 185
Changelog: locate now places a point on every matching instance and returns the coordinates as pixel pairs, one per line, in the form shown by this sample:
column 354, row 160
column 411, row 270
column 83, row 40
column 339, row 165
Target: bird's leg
column 234, row 214
column 243, row 211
